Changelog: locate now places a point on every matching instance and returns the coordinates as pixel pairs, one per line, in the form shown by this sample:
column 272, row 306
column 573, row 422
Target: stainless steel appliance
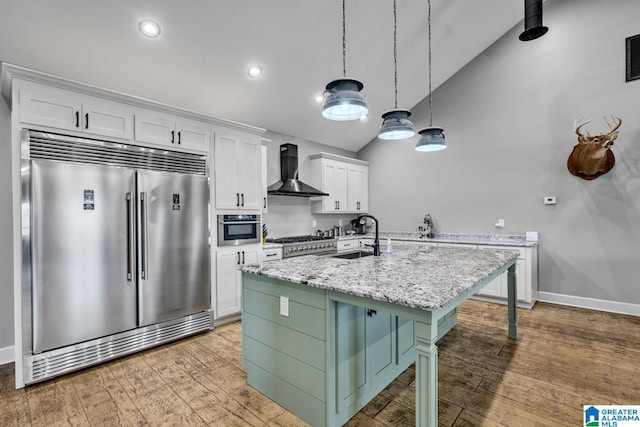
column 306, row 245
column 238, row 229
column 289, row 184
column 116, row 250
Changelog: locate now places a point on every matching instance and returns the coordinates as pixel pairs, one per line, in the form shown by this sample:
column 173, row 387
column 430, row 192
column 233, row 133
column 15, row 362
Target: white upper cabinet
column 167, row 130
column 346, row 181
column 238, row 176
column 62, row 109
column 358, row 188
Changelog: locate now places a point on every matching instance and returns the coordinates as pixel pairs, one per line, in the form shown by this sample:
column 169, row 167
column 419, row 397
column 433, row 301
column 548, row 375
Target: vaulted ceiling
column 199, row 61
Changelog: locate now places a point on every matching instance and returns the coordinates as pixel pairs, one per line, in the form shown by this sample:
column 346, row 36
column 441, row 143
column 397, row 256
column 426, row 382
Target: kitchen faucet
column 376, row 241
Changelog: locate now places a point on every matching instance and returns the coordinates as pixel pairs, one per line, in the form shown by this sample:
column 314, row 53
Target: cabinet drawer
column 347, row 245
column 271, row 254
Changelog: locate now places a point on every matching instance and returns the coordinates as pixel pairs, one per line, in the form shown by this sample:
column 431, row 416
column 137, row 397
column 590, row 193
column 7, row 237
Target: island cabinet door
column 351, row 375
column 380, row 343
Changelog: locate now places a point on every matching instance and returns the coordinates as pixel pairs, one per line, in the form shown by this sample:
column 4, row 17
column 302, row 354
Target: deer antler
column 577, row 124
column 613, row 129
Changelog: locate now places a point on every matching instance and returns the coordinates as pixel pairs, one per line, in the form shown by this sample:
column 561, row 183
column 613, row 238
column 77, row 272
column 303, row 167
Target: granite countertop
column 466, row 238
column 424, row 277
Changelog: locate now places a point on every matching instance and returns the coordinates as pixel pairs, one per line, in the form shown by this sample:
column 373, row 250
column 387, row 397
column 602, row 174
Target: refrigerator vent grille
column 64, row 148
column 57, row 362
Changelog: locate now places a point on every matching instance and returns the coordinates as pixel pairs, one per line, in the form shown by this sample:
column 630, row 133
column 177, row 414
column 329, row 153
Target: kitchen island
column 322, row 336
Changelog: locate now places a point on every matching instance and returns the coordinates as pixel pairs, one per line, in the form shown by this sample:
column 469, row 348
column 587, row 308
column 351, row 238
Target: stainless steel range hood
column 289, row 185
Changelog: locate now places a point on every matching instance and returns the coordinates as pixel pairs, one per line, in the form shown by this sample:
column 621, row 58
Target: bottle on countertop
column 389, row 248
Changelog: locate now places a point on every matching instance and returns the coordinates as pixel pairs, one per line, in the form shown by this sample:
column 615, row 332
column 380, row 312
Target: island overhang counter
column 322, row 336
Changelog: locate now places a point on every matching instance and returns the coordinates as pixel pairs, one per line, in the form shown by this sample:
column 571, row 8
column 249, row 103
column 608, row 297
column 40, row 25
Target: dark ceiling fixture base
column 533, row 27
column 533, row 33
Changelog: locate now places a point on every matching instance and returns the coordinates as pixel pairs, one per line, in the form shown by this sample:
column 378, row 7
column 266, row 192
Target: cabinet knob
column 371, row 312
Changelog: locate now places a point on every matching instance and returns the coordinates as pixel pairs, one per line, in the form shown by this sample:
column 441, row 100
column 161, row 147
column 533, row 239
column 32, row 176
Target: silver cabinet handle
column 242, row 204
column 143, row 236
column 242, row 257
column 264, row 203
column 130, row 250
column 238, row 253
column 237, row 199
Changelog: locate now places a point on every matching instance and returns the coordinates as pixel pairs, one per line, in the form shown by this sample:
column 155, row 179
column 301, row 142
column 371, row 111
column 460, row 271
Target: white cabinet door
column 166, row 130
column 226, row 176
column 250, row 178
column 108, row 119
column 238, row 173
column 334, row 182
column 358, row 188
column 192, row 135
column 227, row 289
column 50, row 107
column 263, row 157
column 229, row 278
column 61, row 109
column 501, row 290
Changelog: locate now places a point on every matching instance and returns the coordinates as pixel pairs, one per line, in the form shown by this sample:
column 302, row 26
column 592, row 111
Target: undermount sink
column 353, row 255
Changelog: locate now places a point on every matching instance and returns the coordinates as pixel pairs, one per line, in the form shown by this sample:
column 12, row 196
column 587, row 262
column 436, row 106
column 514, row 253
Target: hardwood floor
column 565, row 358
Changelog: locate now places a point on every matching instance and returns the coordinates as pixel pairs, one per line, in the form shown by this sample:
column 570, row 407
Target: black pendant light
column 343, row 100
column 396, row 124
column 533, row 27
column 431, row 137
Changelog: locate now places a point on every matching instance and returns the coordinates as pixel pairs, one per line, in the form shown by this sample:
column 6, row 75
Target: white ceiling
column 199, row 61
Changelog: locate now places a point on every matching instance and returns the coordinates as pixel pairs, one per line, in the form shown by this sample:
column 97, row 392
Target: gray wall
column 291, row 216
column 6, row 247
column 508, row 119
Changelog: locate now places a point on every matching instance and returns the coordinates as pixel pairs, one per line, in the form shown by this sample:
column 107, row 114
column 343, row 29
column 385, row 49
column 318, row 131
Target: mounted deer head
column 592, row 156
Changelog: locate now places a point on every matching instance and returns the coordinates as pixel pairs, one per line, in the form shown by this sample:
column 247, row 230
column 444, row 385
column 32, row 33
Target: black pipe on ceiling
column 533, row 27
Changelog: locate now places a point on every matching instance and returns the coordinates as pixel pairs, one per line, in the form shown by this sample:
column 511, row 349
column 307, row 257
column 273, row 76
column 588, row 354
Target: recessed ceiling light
column 254, row 71
column 149, row 28
column 318, row 99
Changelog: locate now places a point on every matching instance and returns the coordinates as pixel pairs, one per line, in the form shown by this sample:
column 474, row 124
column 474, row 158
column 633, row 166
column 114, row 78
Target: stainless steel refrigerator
column 118, row 241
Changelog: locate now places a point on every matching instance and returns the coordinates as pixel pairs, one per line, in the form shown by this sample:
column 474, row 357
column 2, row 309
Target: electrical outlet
column 500, row 223
column 284, row 306
column 550, row 200
column 314, row 223
column 340, row 222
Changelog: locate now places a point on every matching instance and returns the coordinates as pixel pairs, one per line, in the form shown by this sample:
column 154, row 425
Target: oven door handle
column 239, row 222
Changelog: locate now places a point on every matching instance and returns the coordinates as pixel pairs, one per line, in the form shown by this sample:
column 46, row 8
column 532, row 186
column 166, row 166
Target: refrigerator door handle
column 129, row 239
column 143, row 236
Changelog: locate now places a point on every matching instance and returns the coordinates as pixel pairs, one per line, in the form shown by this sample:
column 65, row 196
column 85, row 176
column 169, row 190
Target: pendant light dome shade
column 344, row 101
column 431, row 139
column 396, row 125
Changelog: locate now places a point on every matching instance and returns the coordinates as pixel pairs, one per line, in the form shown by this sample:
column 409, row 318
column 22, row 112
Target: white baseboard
column 592, row 303
column 6, row 355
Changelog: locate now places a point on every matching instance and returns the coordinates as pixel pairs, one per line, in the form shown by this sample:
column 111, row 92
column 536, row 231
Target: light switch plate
column 550, row 200
column 284, row 306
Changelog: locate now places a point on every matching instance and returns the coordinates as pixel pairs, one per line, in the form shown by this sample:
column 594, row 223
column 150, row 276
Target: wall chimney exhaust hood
column 289, row 185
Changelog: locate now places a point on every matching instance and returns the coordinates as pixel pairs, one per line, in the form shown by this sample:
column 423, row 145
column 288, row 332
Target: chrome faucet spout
column 376, row 241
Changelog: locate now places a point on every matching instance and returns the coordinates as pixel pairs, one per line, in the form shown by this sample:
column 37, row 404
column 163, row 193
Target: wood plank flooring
column 565, row 358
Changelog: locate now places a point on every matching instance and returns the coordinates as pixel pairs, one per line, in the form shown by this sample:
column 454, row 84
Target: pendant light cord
column 344, row 42
column 429, row 31
column 395, row 53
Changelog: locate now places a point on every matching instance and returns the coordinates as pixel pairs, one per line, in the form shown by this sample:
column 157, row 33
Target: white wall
column 6, row 247
column 291, row 216
column 508, row 119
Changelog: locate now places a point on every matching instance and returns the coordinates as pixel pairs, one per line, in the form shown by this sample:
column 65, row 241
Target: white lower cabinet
column 498, row 288
column 229, row 278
